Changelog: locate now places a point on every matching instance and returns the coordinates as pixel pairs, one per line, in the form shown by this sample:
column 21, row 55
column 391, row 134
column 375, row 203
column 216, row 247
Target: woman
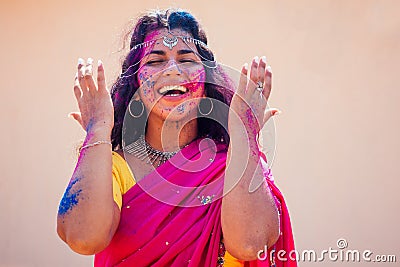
column 170, row 172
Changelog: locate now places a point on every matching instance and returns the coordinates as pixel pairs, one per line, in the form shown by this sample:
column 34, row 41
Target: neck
column 162, row 135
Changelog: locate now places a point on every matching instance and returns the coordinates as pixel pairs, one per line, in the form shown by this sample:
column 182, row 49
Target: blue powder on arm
column 70, row 198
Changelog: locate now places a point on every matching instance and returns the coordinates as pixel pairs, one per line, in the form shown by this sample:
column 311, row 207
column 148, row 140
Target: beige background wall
column 335, row 66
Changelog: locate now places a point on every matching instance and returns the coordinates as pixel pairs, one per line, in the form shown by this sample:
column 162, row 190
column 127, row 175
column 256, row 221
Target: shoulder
column 118, row 159
column 121, row 171
column 119, row 163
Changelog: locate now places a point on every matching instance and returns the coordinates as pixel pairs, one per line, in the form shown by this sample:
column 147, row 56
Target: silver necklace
column 143, row 151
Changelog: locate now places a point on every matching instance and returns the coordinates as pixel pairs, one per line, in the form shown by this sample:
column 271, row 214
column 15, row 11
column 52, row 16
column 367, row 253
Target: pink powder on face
column 190, row 71
column 147, row 86
column 151, row 77
column 197, row 79
column 150, row 36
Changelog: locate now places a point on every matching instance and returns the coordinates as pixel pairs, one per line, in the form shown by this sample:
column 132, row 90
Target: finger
column 81, row 76
column 270, row 113
column 261, row 69
column 77, row 89
column 76, row 116
column 89, row 76
column 267, row 82
column 243, row 80
column 101, row 78
column 251, row 86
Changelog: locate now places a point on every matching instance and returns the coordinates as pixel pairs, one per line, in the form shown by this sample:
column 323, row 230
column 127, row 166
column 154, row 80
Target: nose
column 172, row 68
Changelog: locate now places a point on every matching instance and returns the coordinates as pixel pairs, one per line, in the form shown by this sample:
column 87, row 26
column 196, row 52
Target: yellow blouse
column 123, row 181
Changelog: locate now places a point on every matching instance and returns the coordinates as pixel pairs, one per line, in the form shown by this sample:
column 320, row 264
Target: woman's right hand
column 94, row 101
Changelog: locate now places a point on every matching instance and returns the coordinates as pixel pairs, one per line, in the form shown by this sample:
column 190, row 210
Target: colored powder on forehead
column 158, row 35
column 69, row 199
column 154, row 35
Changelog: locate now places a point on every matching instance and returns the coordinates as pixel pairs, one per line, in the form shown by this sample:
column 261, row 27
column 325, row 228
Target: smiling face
column 171, row 80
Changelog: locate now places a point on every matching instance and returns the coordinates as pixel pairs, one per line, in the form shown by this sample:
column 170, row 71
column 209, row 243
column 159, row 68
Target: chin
column 182, row 111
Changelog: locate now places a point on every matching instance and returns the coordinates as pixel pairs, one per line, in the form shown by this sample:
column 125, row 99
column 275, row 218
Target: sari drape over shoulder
column 172, row 217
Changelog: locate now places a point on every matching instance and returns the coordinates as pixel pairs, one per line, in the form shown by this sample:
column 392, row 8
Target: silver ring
column 260, row 86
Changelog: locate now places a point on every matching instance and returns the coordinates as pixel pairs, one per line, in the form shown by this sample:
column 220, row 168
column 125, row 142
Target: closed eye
column 154, row 62
column 189, row 60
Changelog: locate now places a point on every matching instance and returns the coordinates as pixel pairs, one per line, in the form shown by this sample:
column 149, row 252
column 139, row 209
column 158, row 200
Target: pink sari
column 172, row 216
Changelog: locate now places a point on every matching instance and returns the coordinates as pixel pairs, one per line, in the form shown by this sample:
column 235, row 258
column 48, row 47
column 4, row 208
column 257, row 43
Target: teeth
column 172, row 87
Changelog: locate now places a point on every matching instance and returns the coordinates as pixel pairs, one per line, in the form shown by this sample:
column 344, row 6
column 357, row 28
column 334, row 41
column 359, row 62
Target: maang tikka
column 170, row 42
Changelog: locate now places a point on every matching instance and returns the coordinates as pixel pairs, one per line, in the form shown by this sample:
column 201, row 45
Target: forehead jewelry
column 170, row 41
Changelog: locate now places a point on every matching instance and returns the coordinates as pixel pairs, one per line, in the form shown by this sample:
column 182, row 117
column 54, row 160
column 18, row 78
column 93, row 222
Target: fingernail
column 277, row 112
column 246, row 66
column 264, row 59
column 269, row 68
column 90, row 61
column 256, row 59
column 80, row 61
column 99, row 63
column 69, row 115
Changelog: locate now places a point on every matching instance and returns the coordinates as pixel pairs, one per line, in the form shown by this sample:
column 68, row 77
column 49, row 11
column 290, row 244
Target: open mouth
column 173, row 90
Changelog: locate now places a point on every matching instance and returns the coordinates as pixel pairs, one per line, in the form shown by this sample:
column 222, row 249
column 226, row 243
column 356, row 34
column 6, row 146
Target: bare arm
column 249, row 215
column 88, row 216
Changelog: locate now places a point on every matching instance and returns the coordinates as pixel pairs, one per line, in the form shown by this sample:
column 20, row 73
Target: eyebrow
column 185, row 51
column 162, row 53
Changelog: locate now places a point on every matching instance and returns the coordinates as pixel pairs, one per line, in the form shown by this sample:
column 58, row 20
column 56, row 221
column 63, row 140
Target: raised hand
column 250, row 101
column 94, row 101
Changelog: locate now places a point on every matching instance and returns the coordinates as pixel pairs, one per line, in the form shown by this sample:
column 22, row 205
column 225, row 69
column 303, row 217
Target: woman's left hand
column 248, row 205
column 248, row 106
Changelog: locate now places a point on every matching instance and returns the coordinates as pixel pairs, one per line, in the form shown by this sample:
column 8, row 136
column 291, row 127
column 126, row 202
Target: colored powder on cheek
column 201, row 74
column 145, row 91
column 147, row 86
column 150, row 84
column 70, row 199
column 141, row 77
column 194, row 86
column 181, row 108
column 197, row 79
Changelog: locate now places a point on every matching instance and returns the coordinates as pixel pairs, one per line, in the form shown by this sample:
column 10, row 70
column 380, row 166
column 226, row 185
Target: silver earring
column 205, row 106
column 137, row 105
